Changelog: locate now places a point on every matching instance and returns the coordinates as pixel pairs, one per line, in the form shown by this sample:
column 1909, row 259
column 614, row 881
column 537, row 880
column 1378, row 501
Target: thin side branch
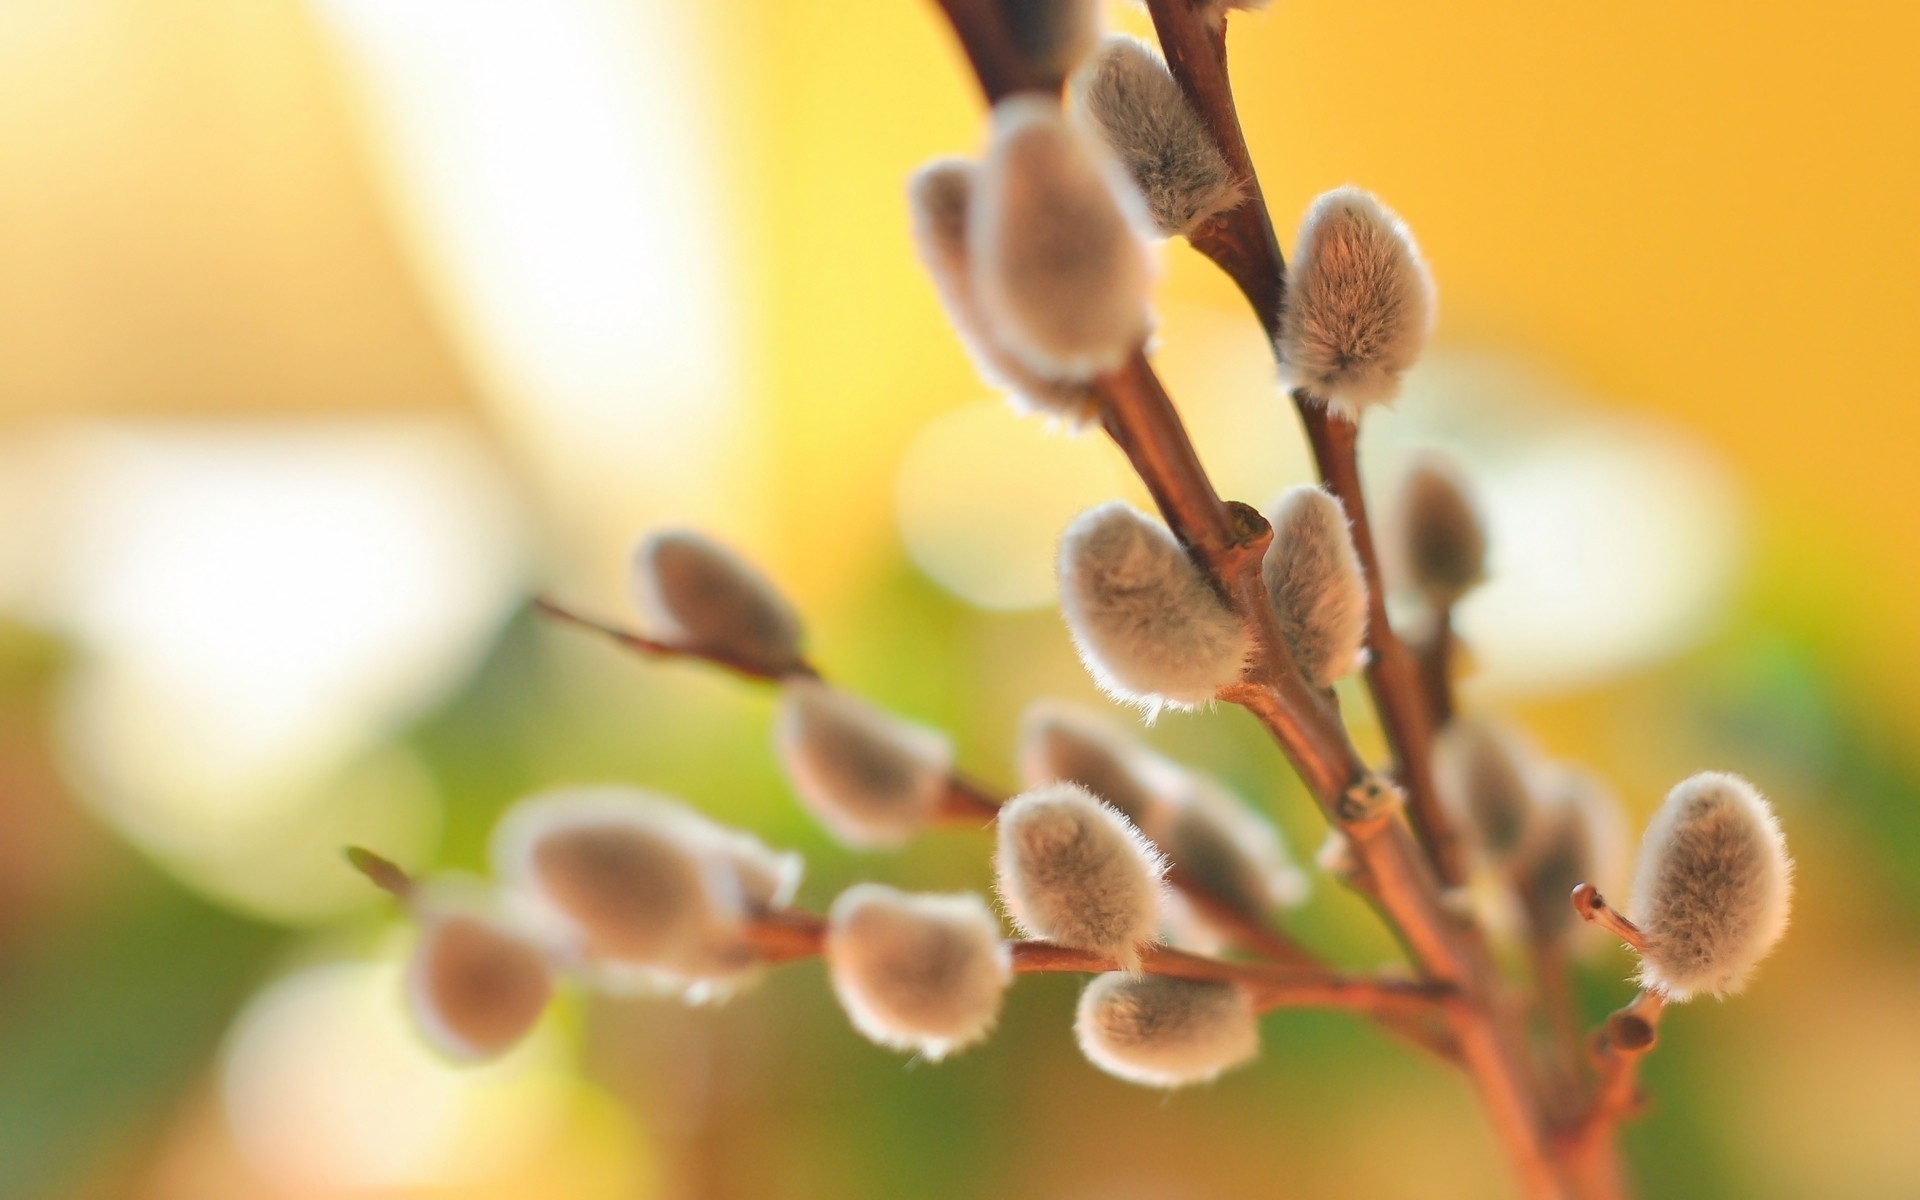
column 654, row 648
column 1594, row 909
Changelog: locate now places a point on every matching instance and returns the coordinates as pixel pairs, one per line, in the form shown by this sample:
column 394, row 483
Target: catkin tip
column 1075, row 871
column 1314, row 582
column 697, row 594
column 871, row 778
column 917, row 972
column 1162, row 1032
column 1439, row 538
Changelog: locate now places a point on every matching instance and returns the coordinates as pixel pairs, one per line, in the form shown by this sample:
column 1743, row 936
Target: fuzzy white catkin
column 1060, row 269
column 1131, row 102
column 1485, row 773
column 476, row 983
column 1228, row 850
column 1163, row 1032
column 1572, row 839
column 697, row 594
column 1713, row 888
column 1063, row 744
column 1359, row 303
column 938, row 197
column 1439, row 538
column 1074, row 871
column 924, row 973
column 871, row 778
column 1147, row 623
column 635, row 876
column 1313, row 578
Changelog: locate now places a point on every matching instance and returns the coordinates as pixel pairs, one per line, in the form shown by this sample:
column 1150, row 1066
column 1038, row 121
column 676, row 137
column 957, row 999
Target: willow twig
column 654, row 648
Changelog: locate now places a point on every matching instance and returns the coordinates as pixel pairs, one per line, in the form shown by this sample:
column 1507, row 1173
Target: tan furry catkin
column 1573, row 838
column 1074, row 871
column 871, row 778
column 1228, row 849
column 697, row 594
column 1062, row 743
column 629, row 872
column 1147, row 623
column 1060, row 269
column 938, row 197
column 1359, row 303
column 1053, row 35
column 1126, row 95
column 1438, row 538
column 917, row 972
column 1713, row 889
column 1485, row 774
column 1161, row 1032
column 476, row 983
column 1313, row 578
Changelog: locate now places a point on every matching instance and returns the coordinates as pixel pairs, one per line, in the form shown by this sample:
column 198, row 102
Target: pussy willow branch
column 1136, row 411
column 1242, row 242
column 968, row 803
column 1619, row 1047
column 788, row 934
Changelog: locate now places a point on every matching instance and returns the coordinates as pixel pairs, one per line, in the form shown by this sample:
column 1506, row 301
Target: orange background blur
column 331, row 331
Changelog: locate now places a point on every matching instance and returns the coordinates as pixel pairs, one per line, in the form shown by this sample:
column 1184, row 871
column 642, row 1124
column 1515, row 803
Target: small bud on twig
column 938, row 196
column 1439, row 538
column 1060, row 269
column 1485, row 774
column 1149, row 626
column 1074, row 871
column 476, row 985
column 1713, row 888
column 917, row 972
column 1127, row 96
column 1163, row 1032
column 871, row 778
column 1359, row 303
column 699, row 595
column 1313, row 578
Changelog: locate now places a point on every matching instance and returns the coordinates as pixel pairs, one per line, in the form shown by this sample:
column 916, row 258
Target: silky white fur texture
column 924, row 973
column 1060, row 269
column 871, row 778
column 696, row 593
column 1439, row 538
column 1162, row 1032
column 1313, row 577
column 1147, row 623
column 477, row 981
column 1486, row 774
column 938, row 197
column 1126, row 96
column 1714, row 887
column 1359, row 303
column 1074, row 871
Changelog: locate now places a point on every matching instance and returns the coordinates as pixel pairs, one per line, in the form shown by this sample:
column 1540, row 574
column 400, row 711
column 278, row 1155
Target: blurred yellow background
column 330, row 332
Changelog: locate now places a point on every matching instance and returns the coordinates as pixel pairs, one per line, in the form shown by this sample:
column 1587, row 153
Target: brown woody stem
column 1594, row 909
column 653, row 648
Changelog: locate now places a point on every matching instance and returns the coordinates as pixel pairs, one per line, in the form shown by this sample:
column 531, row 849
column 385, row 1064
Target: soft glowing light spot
column 983, row 495
column 326, row 1085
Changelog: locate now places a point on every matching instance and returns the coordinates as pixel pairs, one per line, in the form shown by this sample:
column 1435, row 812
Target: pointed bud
column 1359, row 303
column 633, row 875
column 1162, row 1032
column 1128, row 98
column 1060, row 270
column 871, row 778
column 1229, row 850
column 699, row 595
column 1147, row 623
column 938, row 197
column 1485, row 775
column 478, row 980
column 1439, row 538
column 1313, row 578
column 1074, row 871
column 1063, row 744
column 1572, row 839
column 1053, row 36
column 1712, row 892
column 916, row 972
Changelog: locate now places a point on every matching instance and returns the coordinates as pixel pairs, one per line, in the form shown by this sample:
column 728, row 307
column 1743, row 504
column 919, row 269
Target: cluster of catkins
column 1042, row 252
